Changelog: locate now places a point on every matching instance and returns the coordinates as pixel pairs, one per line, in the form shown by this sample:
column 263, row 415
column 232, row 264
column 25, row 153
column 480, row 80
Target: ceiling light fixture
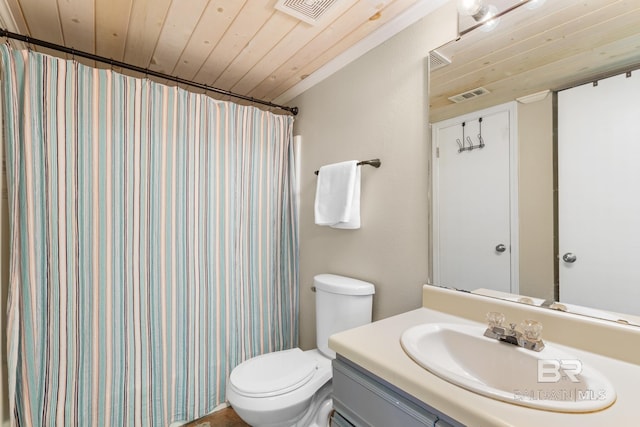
column 482, row 13
column 485, row 15
column 490, row 20
column 474, row 8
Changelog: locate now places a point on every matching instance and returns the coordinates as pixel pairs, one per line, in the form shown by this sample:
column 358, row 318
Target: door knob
column 501, row 248
column 569, row 257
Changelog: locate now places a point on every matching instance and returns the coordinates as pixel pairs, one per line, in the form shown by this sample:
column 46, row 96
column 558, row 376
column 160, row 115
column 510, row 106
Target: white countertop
column 376, row 347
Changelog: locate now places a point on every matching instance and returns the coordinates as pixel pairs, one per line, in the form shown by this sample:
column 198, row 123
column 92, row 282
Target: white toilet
column 293, row 387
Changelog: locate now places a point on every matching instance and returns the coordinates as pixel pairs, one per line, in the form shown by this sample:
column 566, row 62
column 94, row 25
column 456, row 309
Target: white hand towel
column 338, row 195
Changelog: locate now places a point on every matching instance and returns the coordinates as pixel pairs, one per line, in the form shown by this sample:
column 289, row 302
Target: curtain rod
column 112, row 62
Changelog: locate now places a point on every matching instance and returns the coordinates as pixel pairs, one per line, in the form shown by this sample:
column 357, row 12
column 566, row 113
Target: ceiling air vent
column 470, row 94
column 437, row 60
column 309, row 11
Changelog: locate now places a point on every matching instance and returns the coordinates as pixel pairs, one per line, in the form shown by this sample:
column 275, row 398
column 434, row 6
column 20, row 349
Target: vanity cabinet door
column 365, row 400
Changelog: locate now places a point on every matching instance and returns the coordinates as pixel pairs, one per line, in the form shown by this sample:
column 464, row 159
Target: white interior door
column 599, row 194
column 474, row 202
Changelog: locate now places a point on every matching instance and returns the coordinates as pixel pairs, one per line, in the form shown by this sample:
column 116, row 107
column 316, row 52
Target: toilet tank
column 341, row 303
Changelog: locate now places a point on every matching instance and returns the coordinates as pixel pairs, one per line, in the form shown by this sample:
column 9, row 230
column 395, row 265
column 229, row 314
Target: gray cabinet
column 362, row 399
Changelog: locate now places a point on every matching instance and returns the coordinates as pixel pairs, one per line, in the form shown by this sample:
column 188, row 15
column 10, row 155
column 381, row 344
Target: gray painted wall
column 376, row 107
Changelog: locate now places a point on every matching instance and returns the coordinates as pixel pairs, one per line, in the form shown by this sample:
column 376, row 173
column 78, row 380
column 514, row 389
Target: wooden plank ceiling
column 244, row 46
column 560, row 44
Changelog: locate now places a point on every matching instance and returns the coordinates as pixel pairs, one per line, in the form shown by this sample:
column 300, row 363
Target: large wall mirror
column 537, row 50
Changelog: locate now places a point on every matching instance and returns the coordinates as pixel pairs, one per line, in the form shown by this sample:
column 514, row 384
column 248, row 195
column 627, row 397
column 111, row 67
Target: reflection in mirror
column 528, row 57
column 623, row 318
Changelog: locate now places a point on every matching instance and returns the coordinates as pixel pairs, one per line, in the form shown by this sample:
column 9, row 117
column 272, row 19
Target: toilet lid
column 274, row 373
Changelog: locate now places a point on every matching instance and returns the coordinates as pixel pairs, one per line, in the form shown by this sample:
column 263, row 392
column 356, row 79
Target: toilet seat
column 273, row 374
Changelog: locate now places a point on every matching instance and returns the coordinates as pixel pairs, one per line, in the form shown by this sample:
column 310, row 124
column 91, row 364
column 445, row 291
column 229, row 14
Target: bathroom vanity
column 362, row 398
column 376, row 383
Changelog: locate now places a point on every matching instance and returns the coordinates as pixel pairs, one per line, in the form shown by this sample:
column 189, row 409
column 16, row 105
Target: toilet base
column 319, row 410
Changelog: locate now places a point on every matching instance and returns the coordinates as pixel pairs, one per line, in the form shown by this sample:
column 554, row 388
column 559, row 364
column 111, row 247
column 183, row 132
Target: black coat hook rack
column 467, row 144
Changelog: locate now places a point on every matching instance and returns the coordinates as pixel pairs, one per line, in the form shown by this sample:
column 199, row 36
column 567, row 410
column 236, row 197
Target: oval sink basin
column 550, row 379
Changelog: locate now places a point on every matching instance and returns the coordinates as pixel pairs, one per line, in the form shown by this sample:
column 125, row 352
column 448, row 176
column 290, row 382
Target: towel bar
column 373, row 162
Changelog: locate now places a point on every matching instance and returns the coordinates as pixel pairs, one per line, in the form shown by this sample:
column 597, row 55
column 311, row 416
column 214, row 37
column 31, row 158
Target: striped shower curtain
column 153, row 244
